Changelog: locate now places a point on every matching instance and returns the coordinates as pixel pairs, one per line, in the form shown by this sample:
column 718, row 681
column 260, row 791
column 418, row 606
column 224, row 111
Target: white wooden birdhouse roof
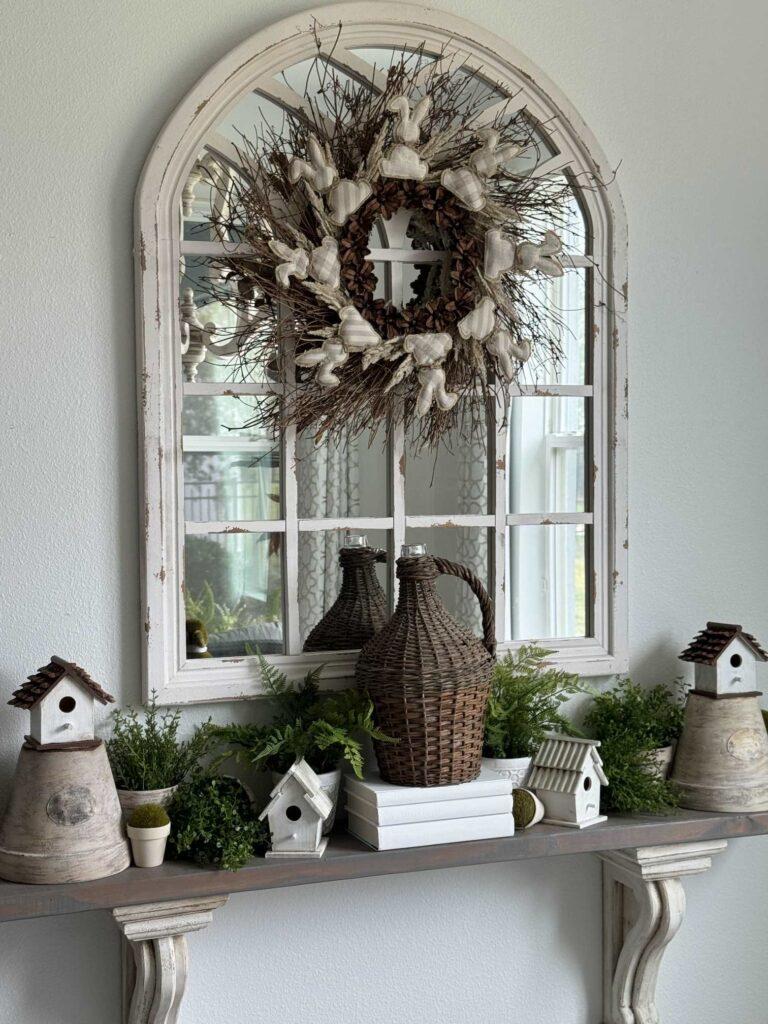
column 707, row 646
column 561, row 761
column 300, row 771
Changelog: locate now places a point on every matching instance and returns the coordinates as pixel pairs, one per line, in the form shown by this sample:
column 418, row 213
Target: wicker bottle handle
column 486, row 604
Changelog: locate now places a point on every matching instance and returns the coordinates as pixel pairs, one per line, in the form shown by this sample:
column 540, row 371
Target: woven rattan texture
column 429, row 680
column 359, row 611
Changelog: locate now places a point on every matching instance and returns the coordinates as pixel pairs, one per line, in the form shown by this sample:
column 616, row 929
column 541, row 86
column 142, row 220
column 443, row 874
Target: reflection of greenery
column 210, row 561
column 217, row 616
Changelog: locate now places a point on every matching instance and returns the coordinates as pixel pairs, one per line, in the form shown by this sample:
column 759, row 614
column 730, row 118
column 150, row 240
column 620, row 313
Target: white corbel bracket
column 155, row 959
column 643, row 907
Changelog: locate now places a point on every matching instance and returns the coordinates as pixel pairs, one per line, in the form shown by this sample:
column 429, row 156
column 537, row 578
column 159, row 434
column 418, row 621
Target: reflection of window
column 243, row 529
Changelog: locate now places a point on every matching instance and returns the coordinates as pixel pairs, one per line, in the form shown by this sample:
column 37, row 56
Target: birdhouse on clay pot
column 725, row 658
column 721, row 762
column 296, row 812
column 63, row 821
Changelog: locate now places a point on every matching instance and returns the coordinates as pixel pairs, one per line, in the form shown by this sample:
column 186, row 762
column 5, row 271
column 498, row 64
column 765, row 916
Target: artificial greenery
column 526, row 695
column 631, row 723
column 214, row 823
column 148, row 754
column 322, row 726
column 148, row 816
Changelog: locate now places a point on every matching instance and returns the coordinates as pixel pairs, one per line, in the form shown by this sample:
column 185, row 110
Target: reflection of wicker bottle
column 429, row 679
column 360, row 610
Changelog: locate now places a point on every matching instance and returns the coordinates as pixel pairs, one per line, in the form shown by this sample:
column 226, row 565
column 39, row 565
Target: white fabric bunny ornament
column 295, row 263
column 502, row 345
column 539, row 256
column 428, row 350
column 319, row 171
column 328, row 358
column 408, row 127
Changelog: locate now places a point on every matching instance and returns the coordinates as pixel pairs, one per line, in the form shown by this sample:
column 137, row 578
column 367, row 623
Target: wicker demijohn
column 429, row 680
column 361, row 609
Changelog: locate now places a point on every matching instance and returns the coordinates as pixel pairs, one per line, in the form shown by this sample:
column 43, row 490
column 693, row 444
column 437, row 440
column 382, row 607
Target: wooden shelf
column 347, row 858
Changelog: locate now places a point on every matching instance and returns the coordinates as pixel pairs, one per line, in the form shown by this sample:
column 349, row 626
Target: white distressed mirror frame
column 251, row 66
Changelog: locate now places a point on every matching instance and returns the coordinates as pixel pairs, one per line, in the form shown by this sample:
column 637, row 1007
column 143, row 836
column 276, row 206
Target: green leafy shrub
column 148, row 754
column 631, row 722
column 148, row 816
column 214, row 823
column 526, row 695
column 322, row 726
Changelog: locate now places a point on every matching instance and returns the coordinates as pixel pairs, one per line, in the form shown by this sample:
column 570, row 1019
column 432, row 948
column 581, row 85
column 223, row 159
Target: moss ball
column 523, row 808
column 148, row 816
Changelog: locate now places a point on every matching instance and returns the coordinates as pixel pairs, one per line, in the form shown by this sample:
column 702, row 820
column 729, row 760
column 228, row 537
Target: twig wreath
column 305, row 204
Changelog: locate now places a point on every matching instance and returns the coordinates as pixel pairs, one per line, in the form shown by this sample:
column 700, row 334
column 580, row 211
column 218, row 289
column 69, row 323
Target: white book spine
column 432, row 833
column 384, row 794
column 404, row 814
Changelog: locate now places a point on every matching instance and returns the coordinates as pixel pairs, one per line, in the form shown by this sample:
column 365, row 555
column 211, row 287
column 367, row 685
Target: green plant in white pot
column 148, row 829
column 147, row 757
column 527, row 693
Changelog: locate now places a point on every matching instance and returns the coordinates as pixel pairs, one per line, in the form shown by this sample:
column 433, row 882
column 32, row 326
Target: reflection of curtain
column 472, row 542
column 328, row 489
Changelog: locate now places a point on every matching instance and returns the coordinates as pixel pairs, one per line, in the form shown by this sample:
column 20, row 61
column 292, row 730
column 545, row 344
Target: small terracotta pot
column 148, row 845
column 330, row 783
column 517, row 769
column 130, row 799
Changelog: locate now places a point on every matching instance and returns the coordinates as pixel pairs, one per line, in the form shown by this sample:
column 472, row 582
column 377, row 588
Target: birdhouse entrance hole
column 293, row 813
column 735, row 660
column 587, row 783
column 67, row 704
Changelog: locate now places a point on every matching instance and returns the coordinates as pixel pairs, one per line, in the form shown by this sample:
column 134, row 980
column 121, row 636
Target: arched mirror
column 242, row 525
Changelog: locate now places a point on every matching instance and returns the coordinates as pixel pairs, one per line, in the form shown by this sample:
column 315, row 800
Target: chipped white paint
column 643, row 907
column 256, row 65
column 155, row 958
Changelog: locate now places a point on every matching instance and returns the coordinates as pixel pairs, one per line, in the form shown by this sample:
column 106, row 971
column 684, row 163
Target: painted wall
column 677, row 93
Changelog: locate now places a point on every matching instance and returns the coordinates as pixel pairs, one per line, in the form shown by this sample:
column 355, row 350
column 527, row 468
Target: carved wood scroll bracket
column 643, row 907
column 155, row 958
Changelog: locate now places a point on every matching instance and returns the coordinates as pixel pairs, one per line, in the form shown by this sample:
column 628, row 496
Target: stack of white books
column 389, row 817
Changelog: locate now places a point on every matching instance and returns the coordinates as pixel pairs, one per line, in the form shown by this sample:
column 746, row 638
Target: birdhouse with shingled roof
column 60, row 698
column 567, row 776
column 725, row 659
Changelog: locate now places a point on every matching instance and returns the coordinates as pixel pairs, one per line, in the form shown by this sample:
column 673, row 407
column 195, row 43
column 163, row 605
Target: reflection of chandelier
column 197, row 337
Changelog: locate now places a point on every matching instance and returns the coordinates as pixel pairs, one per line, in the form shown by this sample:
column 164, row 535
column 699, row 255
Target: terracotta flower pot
column 130, row 799
column 148, row 845
column 515, row 768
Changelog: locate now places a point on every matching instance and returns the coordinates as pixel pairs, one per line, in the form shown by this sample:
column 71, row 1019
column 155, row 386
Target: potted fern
column 526, row 695
column 324, row 727
column 147, row 757
column 638, row 729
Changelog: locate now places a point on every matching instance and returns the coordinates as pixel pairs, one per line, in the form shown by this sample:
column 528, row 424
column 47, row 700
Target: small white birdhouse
column 60, row 698
column 296, row 812
column 726, row 660
column 567, row 775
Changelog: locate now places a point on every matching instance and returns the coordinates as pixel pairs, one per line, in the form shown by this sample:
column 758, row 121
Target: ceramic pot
column 663, row 756
column 330, row 783
column 148, row 845
column 517, row 769
column 130, row 799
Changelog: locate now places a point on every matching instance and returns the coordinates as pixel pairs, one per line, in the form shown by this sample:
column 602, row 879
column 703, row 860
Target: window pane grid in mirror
column 549, row 582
